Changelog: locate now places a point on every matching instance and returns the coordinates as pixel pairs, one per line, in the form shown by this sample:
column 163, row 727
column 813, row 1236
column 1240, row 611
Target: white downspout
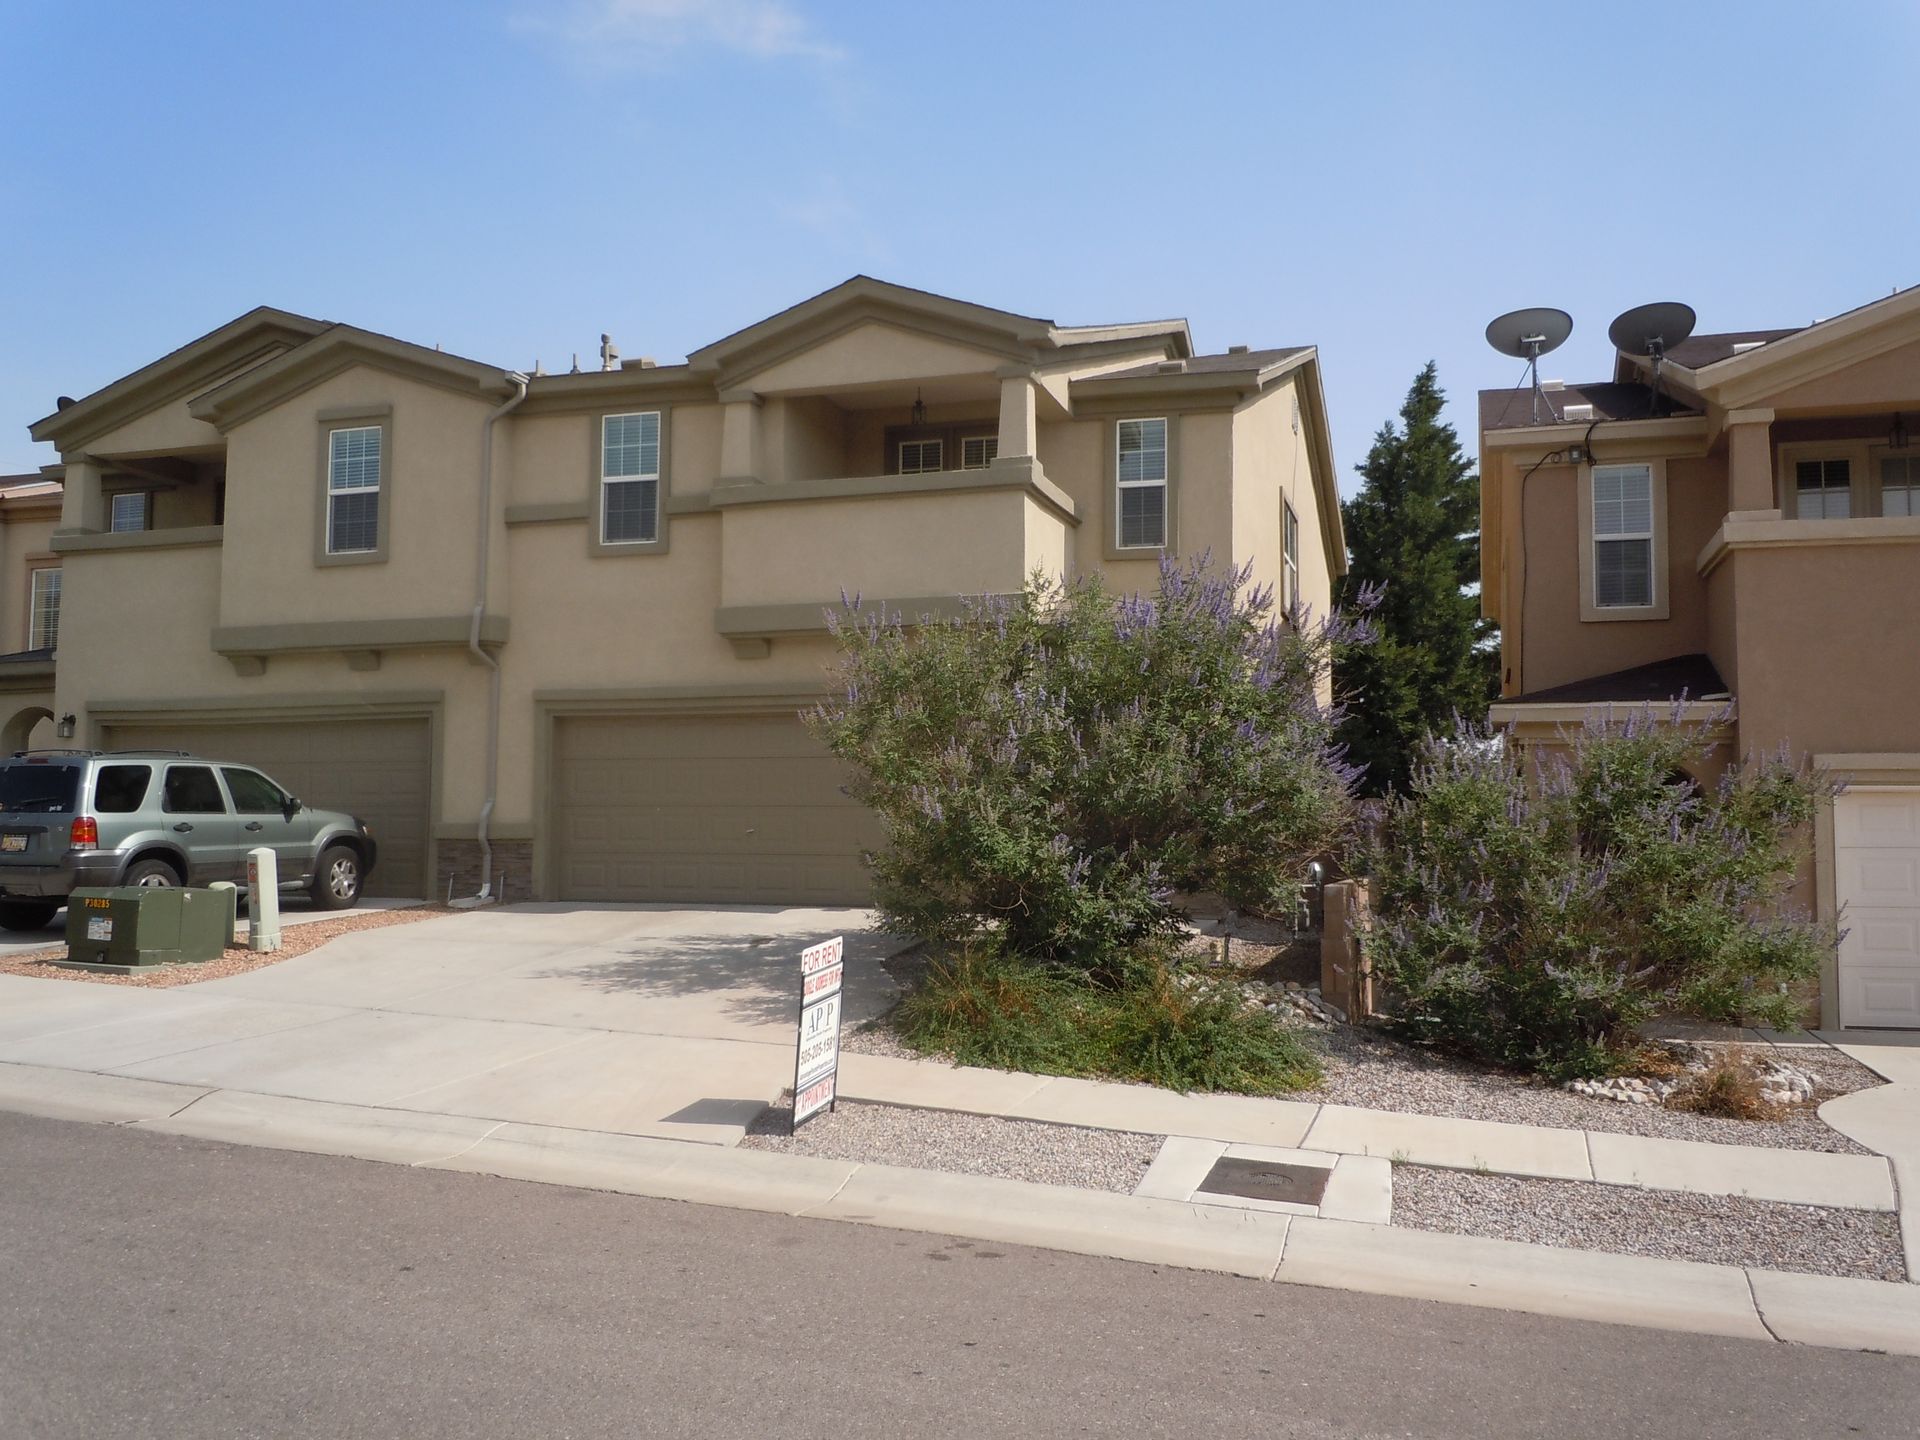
column 519, row 383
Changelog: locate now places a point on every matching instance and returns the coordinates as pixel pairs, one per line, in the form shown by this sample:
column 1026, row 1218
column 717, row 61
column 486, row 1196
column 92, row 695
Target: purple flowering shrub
column 1052, row 767
column 1532, row 918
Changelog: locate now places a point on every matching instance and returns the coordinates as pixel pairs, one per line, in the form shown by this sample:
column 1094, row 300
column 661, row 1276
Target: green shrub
column 1051, row 767
column 1148, row 1025
column 1533, row 920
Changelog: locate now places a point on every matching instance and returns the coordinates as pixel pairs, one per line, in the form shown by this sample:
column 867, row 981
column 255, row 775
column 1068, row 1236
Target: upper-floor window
column 1141, row 479
column 353, row 490
column 1290, row 552
column 1622, row 536
column 979, row 451
column 921, row 457
column 132, row 510
column 630, row 478
column 1900, row 484
column 43, row 622
column 1823, row 489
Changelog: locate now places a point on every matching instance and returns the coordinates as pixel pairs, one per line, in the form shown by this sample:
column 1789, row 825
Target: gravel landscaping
column 964, row 1144
column 1716, row 1229
column 1376, row 1071
column 294, row 940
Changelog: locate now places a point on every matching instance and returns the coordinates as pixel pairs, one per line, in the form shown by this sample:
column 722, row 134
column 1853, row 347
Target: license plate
column 13, row 844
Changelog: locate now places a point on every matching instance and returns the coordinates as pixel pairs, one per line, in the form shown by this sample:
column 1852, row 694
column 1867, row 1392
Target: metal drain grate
column 1267, row 1180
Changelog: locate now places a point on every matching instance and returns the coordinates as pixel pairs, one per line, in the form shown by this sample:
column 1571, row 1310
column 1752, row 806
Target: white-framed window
column 630, row 478
column 1900, row 484
column 353, row 490
column 921, row 457
column 131, row 510
column 979, row 451
column 1140, row 479
column 1622, row 536
column 1290, row 553
column 1823, row 489
column 43, row 622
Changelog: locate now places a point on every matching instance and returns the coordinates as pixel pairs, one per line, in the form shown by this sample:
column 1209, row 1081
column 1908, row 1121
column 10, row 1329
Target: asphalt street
column 158, row 1286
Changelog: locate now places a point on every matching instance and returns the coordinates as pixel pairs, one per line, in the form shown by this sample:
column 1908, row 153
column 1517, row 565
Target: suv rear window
column 27, row 788
column 119, row 789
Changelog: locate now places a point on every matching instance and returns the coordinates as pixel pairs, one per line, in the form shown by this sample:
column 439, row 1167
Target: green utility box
column 136, row 927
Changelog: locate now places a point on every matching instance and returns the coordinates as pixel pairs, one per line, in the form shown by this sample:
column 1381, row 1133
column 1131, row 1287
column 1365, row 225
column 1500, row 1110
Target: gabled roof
column 257, row 335
column 1234, row 362
column 334, row 349
column 864, row 294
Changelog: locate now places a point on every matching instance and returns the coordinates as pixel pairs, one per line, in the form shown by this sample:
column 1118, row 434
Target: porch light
column 1897, row 437
column 64, row 727
column 918, row 415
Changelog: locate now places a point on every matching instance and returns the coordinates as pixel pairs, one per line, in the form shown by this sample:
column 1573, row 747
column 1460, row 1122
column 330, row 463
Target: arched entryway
column 19, row 732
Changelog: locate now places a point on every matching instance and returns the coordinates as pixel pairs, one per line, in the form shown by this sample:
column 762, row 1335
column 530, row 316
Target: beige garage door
column 379, row 770
column 1876, row 852
column 743, row 809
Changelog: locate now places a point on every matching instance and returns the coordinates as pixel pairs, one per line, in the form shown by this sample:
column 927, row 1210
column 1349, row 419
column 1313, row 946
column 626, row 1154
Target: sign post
column 816, row 1063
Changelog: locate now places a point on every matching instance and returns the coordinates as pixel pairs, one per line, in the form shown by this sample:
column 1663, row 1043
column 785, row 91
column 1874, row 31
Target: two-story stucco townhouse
column 579, row 613
column 1751, row 538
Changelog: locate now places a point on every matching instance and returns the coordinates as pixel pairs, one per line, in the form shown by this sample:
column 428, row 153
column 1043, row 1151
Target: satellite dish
column 1527, row 335
column 1652, row 330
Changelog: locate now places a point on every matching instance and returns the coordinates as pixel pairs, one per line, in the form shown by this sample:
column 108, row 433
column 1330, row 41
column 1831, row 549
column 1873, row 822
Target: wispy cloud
column 827, row 210
column 650, row 30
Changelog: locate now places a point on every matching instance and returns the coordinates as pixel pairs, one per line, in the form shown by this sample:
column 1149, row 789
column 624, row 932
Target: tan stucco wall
column 1891, row 378
column 1271, row 461
column 872, row 353
column 1827, row 658
column 23, row 542
column 1554, row 645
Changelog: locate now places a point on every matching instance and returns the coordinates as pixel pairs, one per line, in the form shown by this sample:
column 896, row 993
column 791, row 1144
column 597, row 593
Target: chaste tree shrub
column 1052, row 767
column 1531, row 916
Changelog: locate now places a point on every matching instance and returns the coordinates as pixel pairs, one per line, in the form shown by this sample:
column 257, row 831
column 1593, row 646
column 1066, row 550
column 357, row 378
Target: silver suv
column 76, row 818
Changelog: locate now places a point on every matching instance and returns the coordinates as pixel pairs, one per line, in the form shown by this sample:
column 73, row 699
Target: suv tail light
column 84, row 834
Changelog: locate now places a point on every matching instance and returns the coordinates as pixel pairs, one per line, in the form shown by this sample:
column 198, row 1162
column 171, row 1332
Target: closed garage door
column 377, row 769
column 1876, row 843
column 744, row 809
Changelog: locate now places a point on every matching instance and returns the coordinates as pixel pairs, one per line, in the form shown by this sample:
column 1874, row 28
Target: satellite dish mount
column 1527, row 335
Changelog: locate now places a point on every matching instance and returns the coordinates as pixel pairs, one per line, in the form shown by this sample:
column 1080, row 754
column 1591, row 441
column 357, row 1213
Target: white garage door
column 1876, row 843
column 380, row 770
column 723, row 808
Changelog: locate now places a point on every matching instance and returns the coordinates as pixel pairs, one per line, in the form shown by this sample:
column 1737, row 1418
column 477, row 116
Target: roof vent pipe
column 485, row 894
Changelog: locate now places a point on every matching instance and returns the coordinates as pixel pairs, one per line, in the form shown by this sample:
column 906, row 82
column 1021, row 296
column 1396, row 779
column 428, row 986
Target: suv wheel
column 336, row 878
column 152, row 875
column 26, row 915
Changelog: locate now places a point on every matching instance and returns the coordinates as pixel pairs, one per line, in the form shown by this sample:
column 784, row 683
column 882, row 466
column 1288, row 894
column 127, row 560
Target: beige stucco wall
column 23, row 549
column 1890, row 378
column 1271, row 461
column 1554, row 644
column 1827, row 658
column 274, row 469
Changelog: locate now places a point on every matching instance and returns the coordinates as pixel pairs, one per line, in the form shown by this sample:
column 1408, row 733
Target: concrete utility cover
column 1264, row 1180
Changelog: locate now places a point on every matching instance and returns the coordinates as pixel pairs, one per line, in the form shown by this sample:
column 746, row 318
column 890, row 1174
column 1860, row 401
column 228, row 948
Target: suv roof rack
column 23, row 754
column 188, row 753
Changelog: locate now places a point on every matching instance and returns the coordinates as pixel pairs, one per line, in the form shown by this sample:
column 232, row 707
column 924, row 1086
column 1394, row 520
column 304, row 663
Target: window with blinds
column 353, row 490
column 979, row 451
column 630, row 478
column 1290, row 551
column 1622, row 536
column 921, row 457
column 131, row 510
column 1823, row 489
column 1141, row 482
column 1900, row 485
column 43, row 625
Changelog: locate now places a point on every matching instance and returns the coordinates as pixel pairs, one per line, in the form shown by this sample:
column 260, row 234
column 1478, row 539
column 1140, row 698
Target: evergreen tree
column 1414, row 529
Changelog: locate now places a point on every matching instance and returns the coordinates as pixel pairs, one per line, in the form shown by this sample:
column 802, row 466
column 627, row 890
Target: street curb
column 1333, row 1254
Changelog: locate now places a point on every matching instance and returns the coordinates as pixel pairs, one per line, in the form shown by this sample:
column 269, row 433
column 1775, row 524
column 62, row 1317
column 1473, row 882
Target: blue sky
column 509, row 178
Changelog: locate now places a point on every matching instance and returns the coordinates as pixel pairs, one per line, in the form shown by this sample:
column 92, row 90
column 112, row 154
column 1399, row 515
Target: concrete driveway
column 637, row 1020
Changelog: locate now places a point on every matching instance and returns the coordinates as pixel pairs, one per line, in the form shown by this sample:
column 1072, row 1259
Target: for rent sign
column 817, row 1057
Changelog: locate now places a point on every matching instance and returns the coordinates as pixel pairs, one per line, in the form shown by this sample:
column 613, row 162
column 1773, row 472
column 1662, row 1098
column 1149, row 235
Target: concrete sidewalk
column 1349, row 1255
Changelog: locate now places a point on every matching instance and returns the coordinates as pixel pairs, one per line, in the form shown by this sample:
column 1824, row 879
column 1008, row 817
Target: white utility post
column 263, row 900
